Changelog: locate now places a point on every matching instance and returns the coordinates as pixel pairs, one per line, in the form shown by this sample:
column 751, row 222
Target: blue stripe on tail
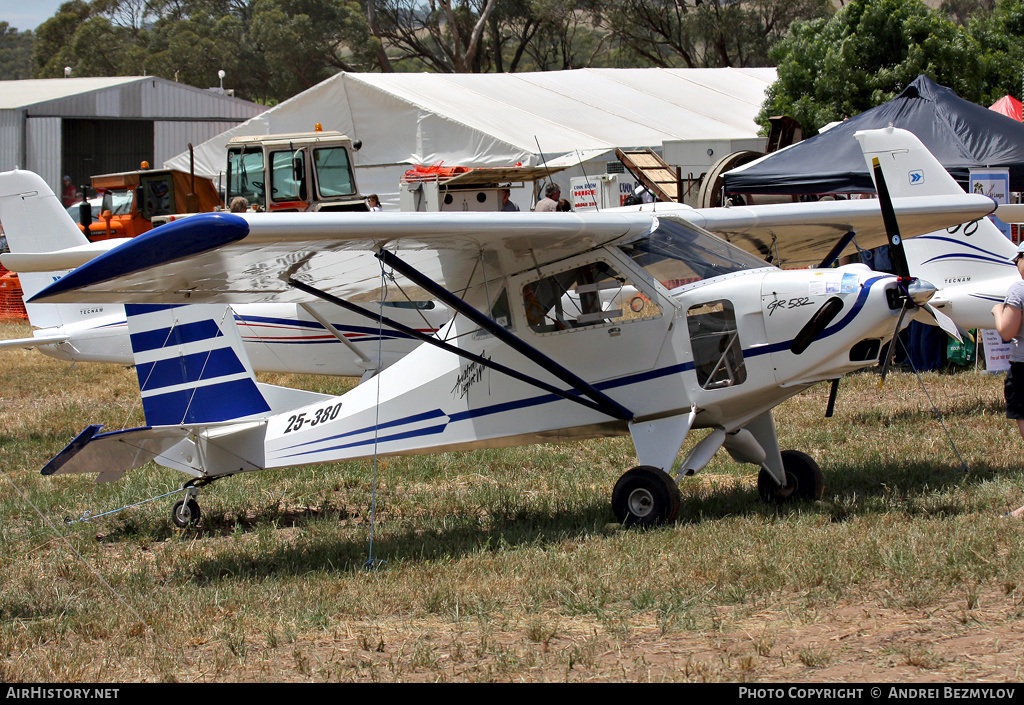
column 190, row 369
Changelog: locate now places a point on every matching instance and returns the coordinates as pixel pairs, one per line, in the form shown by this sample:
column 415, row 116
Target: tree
column 1001, row 32
column 864, row 56
column 702, row 33
column 15, row 53
column 438, row 34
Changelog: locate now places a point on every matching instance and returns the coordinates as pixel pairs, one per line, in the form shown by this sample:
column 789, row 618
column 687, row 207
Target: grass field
column 502, row 565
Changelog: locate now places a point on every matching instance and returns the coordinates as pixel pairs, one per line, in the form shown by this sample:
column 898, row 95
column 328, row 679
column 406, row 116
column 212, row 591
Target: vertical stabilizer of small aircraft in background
column 968, row 263
column 35, row 221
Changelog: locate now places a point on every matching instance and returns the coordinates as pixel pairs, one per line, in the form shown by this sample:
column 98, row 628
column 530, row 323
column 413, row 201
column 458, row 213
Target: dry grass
column 501, row 565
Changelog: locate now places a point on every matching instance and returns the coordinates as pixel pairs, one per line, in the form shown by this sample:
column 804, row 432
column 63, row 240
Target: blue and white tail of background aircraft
column 970, row 262
column 316, row 338
column 718, row 340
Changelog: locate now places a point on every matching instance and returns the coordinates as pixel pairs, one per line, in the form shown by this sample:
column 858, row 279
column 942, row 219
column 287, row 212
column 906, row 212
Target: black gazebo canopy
column 961, row 135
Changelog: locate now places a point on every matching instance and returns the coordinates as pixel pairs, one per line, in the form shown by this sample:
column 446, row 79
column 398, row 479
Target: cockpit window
column 678, row 253
column 586, row 295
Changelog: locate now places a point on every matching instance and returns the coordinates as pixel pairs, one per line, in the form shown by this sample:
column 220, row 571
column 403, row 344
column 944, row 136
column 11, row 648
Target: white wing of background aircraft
column 314, row 338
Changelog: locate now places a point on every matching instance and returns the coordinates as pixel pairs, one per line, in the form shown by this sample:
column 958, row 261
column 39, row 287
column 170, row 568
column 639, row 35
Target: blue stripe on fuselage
column 541, row 399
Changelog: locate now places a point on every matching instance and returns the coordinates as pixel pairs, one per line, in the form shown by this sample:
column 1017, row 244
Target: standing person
column 239, row 204
column 68, row 192
column 1010, row 326
column 563, row 206
column 549, row 203
column 506, row 202
column 373, row 202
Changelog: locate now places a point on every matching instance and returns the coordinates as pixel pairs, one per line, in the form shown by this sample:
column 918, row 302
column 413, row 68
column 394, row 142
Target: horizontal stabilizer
column 113, row 454
column 58, row 260
column 35, row 342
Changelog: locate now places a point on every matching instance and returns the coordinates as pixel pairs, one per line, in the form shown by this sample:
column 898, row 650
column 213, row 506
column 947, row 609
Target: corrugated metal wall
column 42, row 147
column 171, row 138
column 113, row 129
column 10, row 139
column 152, row 98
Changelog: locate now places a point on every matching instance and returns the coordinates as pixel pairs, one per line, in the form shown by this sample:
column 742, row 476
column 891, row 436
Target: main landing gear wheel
column 645, row 496
column 804, row 480
column 185, row 513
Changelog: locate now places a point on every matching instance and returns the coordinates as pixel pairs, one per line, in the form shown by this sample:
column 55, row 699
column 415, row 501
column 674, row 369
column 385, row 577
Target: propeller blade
column 945, row 322
column 1010, row 212
column 891, row 353
column 892, row 228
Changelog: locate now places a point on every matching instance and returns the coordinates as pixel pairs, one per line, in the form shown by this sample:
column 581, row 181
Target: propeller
column 916, row 292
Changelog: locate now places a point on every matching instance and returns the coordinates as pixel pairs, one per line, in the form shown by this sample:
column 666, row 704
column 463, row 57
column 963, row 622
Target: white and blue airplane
column 721, row 339
column 297, row 338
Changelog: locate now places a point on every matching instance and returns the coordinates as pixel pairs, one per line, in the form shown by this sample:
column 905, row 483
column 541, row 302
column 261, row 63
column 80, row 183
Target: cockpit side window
column 587, row 295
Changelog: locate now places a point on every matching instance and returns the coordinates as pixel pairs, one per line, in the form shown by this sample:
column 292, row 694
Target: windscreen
column 678, row 253
column 245, row 175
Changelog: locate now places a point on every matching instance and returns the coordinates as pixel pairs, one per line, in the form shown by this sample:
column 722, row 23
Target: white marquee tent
column 499, row 119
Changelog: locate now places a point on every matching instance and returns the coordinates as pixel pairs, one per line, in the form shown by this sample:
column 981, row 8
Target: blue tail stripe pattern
column 190, row 370
column 208, row 404
column 175, row 335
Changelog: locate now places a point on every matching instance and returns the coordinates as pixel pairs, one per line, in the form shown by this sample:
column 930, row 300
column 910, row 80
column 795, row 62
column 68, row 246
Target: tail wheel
column 185, row 513
column 804, row 480
column 645, row 496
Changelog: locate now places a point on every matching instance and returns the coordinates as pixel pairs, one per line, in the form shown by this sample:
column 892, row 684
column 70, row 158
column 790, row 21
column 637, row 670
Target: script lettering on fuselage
column 473, row 373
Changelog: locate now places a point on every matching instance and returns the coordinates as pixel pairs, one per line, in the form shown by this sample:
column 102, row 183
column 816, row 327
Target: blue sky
column 22, row 14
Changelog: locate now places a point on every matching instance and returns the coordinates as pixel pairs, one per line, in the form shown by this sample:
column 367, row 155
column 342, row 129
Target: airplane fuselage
column 722, row 345
column 283, row 337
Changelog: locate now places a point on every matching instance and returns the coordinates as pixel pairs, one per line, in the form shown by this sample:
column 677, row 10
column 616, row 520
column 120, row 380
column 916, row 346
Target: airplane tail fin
column 34, row 220
column 191, row 365
column 193, row 368
column 969, row 254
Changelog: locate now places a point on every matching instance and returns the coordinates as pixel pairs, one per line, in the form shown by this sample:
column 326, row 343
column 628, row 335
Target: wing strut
column 833, row 255
column 606, row 403
column 454, row 350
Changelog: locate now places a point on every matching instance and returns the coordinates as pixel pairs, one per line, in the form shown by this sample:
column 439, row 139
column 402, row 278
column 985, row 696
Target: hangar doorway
column 91, row 147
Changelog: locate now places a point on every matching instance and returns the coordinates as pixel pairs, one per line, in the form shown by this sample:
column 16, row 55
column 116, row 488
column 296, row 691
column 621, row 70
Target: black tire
column 645, row 496
column 804, row 480
column 185, row 513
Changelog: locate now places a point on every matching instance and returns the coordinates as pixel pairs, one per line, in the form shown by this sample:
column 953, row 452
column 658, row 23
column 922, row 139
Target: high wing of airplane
column 298, row 338
column 721, row 338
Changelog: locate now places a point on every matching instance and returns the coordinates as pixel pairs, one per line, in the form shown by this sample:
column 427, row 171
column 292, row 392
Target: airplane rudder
column 909, row 168
column 191, row 365
column 34, row 220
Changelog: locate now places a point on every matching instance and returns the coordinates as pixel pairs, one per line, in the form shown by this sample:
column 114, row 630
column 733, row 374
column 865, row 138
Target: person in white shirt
column 549, row 203
column 1009, row 317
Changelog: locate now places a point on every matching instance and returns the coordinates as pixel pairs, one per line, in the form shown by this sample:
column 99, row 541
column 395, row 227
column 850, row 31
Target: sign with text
column 994, row 183
column 997, row 353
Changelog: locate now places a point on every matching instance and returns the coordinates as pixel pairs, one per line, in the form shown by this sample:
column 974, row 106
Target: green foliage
column 15, row 53
column 869, row 51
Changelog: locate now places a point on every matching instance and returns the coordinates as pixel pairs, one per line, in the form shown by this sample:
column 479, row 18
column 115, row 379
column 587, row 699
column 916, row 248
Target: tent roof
column 1008, row 106
column 959, row 133
column 498, row 119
